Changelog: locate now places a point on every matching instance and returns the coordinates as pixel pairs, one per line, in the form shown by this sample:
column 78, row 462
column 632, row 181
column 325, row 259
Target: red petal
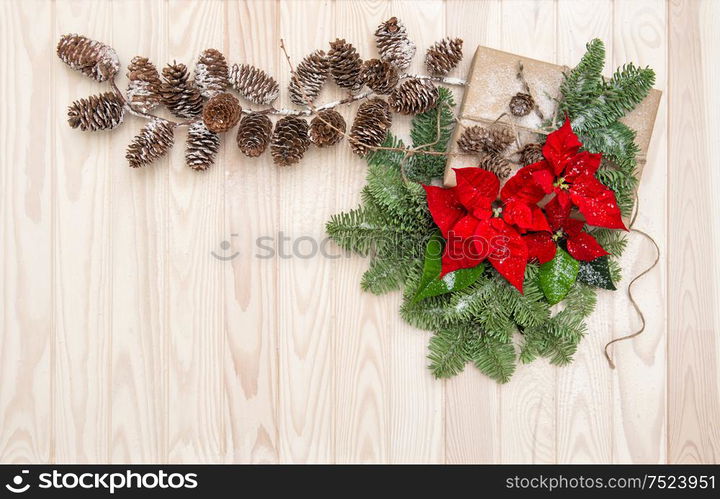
column 545, row 179
column 461, row 252
column 561, row 145
column 583, row 163
column 596, row 202
column 508, row 253
column 476, row 189
column 585, row 247
column 523, row 186
column 540, row 246
column 444, row 207
column 563, row 198
column 572, row 227
column 556, row 215
column 525, row 217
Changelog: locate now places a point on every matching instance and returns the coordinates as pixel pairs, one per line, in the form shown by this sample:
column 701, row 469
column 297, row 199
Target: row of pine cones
column 202, row 99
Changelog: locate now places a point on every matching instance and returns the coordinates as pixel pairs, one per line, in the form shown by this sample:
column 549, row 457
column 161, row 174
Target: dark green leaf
column 597, row 273
column 557, row 276
column 431, row 284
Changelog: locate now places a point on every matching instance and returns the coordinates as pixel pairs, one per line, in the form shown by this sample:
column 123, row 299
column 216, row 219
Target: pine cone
column 289, row 141
column 531, row 153
column 324, row 135
column 254, row 134
column 143, row 91
column 496, row 164
column 202, row 146
column 221, row 112
column 309, row 78
column 345, row 65
column 492, row 140
column 414, row 96
column 380, row 76
column 393, row 44
column 211, row 73
column 521, row 104
column 371, row 125
column 153, row 141
column 442, row 57
column 90, row 57
column 180, row 95
column 97, row 112
column 254, row 84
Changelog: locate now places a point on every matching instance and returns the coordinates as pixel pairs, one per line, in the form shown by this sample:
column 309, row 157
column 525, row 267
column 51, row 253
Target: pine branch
column 449, row 351
column 493, row 357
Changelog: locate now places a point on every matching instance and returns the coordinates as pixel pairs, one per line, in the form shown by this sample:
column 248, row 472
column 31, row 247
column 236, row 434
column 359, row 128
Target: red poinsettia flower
column 570, row 174
column 478, row 227
column 581, row 245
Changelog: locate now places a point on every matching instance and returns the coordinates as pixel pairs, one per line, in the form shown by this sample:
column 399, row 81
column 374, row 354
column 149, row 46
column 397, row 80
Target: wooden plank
column 584, row 388
column 82, row 257
column 639, row 409
column 251, row 287
column 306, row 193
column 139, row 261
column 27, row 126
column 528, row 409
column 416, row 398
column 472, row 400
column 693, row 319
column 195, row 313
column 364, row 322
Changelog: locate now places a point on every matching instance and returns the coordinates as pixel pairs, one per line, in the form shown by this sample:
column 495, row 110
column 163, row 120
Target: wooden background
column 124, row 340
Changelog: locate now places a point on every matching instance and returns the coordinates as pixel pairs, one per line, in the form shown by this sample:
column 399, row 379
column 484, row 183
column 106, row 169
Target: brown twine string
column 629, row 288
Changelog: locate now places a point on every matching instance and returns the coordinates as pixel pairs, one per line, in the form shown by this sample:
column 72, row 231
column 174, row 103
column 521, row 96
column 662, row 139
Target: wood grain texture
column 139, row 265
column 528, row 412
column 306, row 195
column 195, row 312
column 584, row 388
column 82, row 284
column 130, row 333
column 26, row 204
column 472, row 397
column 693, row 322
column 362, row 363
column 639, row 416
column 251, row 284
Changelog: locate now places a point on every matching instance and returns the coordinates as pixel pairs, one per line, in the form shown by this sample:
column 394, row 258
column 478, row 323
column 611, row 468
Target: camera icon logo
column 17, row 487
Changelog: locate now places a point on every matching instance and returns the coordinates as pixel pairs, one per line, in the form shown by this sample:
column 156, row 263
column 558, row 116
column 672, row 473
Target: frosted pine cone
column 180, row 95
column 531, row 153
column 442, row 57
column 211, row 73
column 345, row 65
column 253, row 134
column 254, row 84
column 309, row 78
column 153, row 142
column 414, row 96
column 90, row 57
column 221, row 112
column 380, row 76
column 492, row 140
column 371, row 125
column 143, row 91
column 202, row 146
column 289, row 141
column 97, row 112
column 393, row 44
column 496, row 164
column 521, row 104
column 322, row 134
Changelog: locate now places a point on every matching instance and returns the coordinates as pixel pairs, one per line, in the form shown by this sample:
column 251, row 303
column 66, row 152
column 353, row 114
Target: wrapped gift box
column 492, row 81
